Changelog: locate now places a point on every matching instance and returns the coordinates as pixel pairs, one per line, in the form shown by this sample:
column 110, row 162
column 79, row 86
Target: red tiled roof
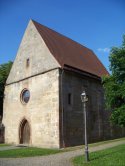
column 71, row 53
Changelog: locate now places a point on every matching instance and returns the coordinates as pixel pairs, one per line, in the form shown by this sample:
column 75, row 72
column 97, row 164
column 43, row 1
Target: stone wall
column 55, row 117
column 98, row 125
column 33, row 49
column 1, row 131
column 42, row 110
column 35, row 69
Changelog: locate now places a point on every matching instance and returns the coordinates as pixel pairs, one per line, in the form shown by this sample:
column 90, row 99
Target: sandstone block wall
column 42, row 110
column 98, row 125
column 32, row 47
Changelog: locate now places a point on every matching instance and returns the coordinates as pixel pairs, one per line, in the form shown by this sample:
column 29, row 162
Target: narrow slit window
column 69, row 98
column 27, row 62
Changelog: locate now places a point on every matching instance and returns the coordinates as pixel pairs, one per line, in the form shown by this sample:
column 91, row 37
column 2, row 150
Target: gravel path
column 61, row 159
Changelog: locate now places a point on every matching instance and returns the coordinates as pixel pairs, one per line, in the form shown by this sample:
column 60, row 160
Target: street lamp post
column 84, row 99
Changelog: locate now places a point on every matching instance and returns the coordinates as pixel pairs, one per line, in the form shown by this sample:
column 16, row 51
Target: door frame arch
column 21, row 127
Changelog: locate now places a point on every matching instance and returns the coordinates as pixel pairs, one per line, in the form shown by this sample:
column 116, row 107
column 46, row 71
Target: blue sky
column 97, row 24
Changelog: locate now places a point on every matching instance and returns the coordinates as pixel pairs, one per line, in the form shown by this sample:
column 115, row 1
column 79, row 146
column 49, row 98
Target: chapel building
column 42, row 104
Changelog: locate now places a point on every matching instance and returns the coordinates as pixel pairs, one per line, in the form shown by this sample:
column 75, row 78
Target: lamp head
column 84, row 97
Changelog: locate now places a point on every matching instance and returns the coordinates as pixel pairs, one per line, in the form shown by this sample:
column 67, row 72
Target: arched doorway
column 24, row 133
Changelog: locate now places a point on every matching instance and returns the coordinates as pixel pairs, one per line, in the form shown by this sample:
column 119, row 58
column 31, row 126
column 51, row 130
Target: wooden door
column 25, row 133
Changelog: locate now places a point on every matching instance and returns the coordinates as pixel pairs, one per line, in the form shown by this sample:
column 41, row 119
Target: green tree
column 4, row 72
column 114, row 85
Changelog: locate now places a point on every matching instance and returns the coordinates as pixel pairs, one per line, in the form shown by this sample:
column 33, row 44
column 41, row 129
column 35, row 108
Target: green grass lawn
column 32, row 151
column 110, row 157
column 27, row 152
column 2, row 145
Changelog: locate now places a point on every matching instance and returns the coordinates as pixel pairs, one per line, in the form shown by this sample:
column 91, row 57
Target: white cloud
column 103, row 49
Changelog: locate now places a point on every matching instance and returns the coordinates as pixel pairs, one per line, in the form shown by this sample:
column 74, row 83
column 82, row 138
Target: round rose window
column 25, row 96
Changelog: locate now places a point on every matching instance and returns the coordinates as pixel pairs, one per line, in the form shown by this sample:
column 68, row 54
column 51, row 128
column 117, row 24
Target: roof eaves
column 70, row 68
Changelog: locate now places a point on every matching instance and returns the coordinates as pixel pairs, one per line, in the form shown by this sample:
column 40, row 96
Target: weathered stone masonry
column 98, row 125
column 42, row 111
